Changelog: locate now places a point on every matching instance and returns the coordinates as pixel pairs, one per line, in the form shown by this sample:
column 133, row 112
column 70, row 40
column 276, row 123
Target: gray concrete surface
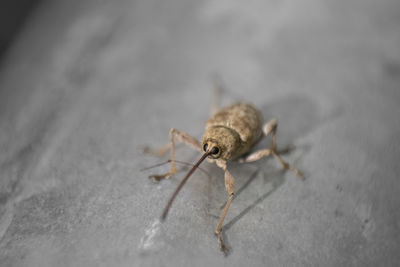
column 88, row 83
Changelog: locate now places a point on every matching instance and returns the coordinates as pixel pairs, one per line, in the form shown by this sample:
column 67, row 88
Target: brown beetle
column 229, row 135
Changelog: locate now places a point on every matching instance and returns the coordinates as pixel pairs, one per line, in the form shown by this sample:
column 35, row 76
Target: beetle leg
column 270, row 128
column 230, row 188
column 174, row 135
column 257, row 155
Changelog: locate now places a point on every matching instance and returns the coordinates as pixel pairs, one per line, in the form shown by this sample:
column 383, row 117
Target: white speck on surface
column 149, row 240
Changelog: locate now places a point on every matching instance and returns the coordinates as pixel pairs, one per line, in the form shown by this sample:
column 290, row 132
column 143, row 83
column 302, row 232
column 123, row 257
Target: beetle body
column 234, row 130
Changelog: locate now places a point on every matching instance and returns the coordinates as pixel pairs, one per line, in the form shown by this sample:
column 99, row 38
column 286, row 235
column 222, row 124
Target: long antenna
column 176, row 161
column 166, row 210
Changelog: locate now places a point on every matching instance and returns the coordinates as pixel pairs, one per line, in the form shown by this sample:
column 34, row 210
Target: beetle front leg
column 174, row 135
column 230, row 188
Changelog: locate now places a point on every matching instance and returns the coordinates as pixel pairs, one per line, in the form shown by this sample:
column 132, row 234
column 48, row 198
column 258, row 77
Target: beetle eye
column 214, row 150
column 205, row 147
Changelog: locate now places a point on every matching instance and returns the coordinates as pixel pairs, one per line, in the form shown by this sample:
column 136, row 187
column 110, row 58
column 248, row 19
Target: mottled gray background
column 86, row 84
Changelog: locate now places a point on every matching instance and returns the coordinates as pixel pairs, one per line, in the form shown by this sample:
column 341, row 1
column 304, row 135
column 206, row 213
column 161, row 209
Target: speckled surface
column 88, row 83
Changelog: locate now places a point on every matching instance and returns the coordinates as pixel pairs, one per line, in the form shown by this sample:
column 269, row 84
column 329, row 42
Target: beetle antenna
column 176, row 161
column 166, row 210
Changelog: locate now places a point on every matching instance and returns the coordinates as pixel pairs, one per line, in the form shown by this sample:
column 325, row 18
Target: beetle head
column 221, row 142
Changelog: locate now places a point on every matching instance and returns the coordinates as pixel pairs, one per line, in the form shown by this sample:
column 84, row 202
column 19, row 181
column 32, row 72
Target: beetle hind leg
column 270, row 128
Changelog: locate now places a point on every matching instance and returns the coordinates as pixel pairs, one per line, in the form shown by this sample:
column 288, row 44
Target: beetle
column 229, row 135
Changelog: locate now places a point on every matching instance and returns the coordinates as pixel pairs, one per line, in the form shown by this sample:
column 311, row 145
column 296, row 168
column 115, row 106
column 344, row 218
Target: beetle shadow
column 275, row 181
column 297, row 116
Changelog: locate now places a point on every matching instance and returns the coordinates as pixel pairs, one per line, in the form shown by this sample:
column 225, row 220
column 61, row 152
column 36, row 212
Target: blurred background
column 12, row 17
column 85, row 85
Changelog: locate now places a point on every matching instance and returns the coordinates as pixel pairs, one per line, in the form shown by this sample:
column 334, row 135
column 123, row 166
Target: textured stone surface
column 88, row 83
